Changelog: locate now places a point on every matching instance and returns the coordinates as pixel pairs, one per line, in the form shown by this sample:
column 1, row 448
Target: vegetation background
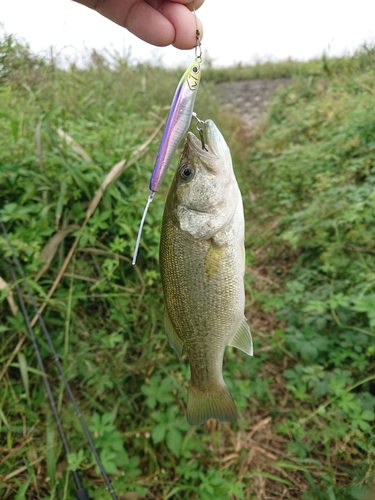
column 76, row 152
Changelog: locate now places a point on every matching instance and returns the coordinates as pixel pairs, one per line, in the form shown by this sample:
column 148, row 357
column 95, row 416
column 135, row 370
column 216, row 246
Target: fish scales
column 202, row 267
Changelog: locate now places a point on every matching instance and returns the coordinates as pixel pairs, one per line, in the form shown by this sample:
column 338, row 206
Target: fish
column 178, row 123
column 202, row 266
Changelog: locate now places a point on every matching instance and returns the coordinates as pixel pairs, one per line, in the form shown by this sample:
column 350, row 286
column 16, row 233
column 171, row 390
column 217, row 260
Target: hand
column 159, row 22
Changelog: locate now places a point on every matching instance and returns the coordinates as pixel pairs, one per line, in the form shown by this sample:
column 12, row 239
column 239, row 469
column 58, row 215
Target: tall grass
column 306, row 399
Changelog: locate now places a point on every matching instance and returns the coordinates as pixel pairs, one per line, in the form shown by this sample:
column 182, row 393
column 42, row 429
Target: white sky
column 234, row 30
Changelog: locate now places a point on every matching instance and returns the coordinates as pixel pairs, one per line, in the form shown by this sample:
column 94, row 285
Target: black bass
column 202, row 264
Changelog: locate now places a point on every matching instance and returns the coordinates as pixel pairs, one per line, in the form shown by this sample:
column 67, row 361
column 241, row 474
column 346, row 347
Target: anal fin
column 242, row 338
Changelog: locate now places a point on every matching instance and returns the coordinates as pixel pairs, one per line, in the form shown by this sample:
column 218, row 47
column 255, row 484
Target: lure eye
column 187, row 172
column 195, row 69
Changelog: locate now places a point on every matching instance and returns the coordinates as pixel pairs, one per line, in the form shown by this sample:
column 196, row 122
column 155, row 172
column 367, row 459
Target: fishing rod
column 81, row 492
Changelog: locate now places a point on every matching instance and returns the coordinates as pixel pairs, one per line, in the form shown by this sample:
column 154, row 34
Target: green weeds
column 77, row 150
column 314, row 167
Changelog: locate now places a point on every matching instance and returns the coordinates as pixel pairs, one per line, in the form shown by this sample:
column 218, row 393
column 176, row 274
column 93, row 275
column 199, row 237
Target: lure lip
column 136, row 248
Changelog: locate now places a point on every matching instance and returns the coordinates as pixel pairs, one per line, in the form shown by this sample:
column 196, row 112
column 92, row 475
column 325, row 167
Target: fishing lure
column 177, row 125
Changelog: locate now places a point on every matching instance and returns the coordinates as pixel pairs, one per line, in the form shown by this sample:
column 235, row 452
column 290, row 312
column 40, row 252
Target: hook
column 200, row 129
column 198, row 50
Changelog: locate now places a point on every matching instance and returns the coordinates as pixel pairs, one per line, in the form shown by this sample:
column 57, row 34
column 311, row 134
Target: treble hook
column 200, row 130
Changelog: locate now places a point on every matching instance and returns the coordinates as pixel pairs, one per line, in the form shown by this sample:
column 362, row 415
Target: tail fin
column 218, row 403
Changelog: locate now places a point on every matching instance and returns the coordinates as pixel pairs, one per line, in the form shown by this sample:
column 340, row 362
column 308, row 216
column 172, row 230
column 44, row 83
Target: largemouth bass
column 202, row 264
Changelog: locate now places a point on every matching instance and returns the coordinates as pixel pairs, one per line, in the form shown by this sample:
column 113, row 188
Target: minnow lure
column 178, row 123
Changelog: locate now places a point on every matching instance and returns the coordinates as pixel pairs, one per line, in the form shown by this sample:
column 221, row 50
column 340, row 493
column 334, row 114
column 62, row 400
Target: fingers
column 160, row 23
column 171, row 24
column 184, row 23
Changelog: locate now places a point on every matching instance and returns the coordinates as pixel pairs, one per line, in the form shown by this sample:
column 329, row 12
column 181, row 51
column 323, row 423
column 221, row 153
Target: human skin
column 158, row 22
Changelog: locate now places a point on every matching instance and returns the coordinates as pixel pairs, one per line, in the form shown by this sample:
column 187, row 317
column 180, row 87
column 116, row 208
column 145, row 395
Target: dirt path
column 248, row 98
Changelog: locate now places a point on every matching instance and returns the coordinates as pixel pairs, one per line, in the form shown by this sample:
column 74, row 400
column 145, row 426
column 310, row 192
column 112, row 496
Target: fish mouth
column 213, row 145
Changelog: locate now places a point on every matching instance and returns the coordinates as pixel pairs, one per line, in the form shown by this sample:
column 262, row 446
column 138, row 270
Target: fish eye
column 187, row 172
column 195, row 69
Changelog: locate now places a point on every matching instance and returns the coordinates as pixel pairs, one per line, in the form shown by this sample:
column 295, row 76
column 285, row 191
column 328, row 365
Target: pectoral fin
column 242, row 338
column 213, row 261
column 174, row 340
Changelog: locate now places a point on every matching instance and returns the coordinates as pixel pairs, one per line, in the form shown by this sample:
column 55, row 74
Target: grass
column 306, row 399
